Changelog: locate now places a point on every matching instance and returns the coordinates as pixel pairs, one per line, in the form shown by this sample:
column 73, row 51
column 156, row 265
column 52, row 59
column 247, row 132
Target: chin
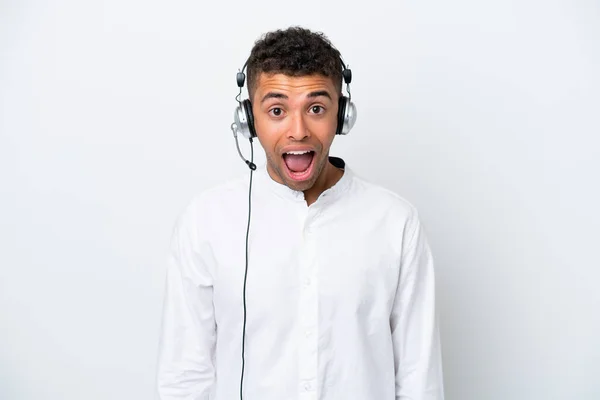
column 300, row 186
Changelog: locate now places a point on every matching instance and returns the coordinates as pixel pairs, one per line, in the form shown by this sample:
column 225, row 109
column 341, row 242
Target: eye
column 317, row 110
column 276, row 111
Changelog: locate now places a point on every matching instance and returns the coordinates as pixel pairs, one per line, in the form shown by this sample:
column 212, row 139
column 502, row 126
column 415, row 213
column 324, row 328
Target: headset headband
column 346, row 74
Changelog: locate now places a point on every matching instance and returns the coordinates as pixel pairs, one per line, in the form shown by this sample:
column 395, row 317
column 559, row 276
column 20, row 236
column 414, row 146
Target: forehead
column 292, row 85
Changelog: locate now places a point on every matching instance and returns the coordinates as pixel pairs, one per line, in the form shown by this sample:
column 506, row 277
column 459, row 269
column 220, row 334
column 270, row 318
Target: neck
column 329, row 177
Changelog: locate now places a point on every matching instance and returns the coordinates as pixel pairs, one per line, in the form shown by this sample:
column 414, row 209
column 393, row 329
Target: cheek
column 265, row 130
column 324, row 130
column 270, row 135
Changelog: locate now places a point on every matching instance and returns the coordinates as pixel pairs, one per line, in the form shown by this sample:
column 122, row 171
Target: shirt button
column 307, row 333
column 307, row 282
column 307, row 386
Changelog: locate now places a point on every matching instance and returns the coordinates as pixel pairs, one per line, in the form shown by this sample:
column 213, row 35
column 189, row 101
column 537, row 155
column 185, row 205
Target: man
column 339, row 302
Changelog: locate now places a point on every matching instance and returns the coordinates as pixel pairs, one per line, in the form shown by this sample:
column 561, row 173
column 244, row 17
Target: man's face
column 295, row 120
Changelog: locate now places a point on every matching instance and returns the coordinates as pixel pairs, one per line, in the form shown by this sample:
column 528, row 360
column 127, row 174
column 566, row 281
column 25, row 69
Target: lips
column 299, row 163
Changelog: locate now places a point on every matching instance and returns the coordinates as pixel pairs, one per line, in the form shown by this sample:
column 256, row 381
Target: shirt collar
column 331, row 194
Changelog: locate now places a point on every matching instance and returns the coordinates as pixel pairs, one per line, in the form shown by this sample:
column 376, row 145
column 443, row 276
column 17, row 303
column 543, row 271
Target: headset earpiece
column 341, row 114
column 346, row 108
column 243, row 120
column 250, row 117
column 346, row 116
column 243, row 117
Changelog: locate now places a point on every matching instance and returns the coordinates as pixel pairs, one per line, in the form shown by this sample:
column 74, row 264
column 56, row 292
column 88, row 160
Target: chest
column 347, row 266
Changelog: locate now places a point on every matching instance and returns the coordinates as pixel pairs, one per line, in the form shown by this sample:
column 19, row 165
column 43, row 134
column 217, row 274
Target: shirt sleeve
column 415, row 336
column 188, row 331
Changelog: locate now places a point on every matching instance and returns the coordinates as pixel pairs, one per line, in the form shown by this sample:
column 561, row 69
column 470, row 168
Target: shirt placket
column 308, row 313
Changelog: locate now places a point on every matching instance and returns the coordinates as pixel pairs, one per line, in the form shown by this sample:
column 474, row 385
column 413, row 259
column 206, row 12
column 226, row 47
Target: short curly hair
column 295, row 51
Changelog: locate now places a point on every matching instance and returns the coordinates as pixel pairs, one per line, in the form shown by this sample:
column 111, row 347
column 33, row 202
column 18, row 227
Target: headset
column 244, row 125
column 244, row 119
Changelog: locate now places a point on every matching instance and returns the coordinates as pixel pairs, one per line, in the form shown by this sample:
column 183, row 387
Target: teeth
column 298, row 152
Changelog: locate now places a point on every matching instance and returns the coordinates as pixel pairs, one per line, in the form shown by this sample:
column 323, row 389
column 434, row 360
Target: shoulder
column 379, row 197
column 392, row 212
column 221, row 193
column 209, row 204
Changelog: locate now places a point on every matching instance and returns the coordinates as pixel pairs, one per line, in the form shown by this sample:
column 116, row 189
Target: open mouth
column 299, row 164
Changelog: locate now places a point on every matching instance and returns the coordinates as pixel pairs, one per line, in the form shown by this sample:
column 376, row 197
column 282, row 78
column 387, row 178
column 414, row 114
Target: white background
column 484, row 114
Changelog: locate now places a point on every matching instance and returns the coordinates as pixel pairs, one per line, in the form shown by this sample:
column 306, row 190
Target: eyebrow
column 320, row 93
column 275, row 95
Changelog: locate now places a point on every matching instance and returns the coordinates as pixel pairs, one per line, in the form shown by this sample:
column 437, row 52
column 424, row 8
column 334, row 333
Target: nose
column 298, row 130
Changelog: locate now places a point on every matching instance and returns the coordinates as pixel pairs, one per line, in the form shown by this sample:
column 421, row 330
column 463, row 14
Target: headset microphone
column 250, row 164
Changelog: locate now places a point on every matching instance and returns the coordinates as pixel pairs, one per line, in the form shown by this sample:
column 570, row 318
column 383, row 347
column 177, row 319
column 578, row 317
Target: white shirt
column 340, row 296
